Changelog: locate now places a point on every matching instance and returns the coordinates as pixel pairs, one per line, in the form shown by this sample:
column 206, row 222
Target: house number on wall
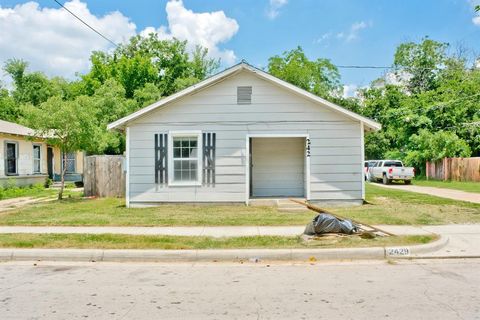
column 308, row 147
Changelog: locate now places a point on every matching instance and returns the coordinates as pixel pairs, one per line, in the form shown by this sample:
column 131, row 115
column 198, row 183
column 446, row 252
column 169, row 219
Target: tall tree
column 165, row 63
column 420, row 63
column 9, row 110
column 29, row 87
column 319, row 76
column 438, row 101
column 68, row 125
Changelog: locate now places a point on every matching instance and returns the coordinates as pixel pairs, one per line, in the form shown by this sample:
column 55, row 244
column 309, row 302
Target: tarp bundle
column 326, row 223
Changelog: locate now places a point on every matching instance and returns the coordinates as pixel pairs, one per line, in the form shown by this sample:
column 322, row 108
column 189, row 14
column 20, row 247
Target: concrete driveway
column 438, row 192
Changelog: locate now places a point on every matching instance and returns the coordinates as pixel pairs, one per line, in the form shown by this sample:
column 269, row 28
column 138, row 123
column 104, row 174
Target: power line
column 90, row 27
column 394, row 68
column 361, row 67
column 338, row 66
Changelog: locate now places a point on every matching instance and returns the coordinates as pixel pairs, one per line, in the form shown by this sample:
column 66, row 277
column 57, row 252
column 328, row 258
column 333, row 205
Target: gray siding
column 335, row 162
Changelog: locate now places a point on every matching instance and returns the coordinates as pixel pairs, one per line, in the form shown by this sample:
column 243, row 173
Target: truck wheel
column 386, row 180
column 407, row 182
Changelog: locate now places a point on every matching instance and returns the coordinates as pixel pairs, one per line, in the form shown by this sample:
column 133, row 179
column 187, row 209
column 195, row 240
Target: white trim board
column 185, row 133
column 127, row 164
column 123, row 122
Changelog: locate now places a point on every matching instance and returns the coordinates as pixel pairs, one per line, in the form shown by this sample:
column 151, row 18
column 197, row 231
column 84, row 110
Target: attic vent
column 244, row 95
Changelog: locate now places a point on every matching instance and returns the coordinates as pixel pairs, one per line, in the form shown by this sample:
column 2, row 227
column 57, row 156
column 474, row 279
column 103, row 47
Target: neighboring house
column 240, row 135
column 27, row 159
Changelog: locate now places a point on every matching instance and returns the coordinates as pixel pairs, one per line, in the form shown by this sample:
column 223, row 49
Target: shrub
column 48, row 182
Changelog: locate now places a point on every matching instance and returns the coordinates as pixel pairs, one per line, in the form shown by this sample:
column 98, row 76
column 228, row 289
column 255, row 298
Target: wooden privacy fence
column 104, row 176
column 458, row 169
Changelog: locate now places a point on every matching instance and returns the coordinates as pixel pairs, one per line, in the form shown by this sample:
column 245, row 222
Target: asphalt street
column 422, row 289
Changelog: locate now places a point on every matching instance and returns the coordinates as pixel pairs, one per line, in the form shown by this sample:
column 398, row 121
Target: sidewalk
column 456, row 241
column 438, row 192
column 216, row 232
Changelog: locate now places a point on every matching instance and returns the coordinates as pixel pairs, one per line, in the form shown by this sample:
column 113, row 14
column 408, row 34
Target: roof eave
column 122, row 123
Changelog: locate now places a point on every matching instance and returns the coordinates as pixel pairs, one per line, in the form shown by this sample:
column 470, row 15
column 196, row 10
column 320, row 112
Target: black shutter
column 161, row 159
column 209, row 141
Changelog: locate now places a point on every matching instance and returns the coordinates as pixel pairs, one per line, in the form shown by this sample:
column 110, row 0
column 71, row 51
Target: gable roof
column 243, row 66
column 15, row 128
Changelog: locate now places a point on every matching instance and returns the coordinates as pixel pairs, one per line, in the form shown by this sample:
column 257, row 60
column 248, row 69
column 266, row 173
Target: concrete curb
column 230, row 255
column 409, row 252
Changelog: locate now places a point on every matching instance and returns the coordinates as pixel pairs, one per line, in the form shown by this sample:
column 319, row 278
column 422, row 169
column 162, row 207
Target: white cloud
column 208, row 29
column 476, row 19
column 351, row 90
column 353, row 32
column 274, row 7
column 347, row 36
column 324, row 37
column 399, row 78
column 53, row 41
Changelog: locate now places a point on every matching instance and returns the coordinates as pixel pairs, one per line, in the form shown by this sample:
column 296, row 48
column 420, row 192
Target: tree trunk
column 62, row 175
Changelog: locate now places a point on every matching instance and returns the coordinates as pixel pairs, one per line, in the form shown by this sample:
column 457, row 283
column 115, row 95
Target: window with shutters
column 244, row 95
column 185, row 158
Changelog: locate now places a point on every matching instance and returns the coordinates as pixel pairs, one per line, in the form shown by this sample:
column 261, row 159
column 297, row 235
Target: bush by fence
column 457, row 169
column 104, row 176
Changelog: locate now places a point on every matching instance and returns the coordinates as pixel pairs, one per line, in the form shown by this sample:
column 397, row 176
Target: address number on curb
column 398, row 252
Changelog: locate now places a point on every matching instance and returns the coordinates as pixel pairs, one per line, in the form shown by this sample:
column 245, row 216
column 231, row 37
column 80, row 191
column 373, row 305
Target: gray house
column 242, row 135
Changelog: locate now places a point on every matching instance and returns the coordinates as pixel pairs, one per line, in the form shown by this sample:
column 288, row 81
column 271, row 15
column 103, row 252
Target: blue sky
column 358, row 32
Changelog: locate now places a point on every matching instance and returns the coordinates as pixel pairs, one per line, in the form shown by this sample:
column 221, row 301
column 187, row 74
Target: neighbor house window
column 36, row 158
column 11, row 158
column 185, row 161
column 70, row 162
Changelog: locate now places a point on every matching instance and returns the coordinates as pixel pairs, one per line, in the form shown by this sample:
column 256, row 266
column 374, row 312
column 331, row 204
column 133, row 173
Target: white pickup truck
column 389, row 170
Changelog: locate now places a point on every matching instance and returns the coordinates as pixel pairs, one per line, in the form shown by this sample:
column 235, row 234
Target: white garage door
column 278, row 167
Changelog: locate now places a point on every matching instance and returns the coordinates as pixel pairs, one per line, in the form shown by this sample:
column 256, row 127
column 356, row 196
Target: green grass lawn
column 468, row 186
column 389, row 206
column 386, row 206
column 109, row 241
column 34, row 191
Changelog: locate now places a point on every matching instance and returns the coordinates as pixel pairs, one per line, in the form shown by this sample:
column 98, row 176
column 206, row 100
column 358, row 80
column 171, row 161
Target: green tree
column 9, row 110
column 319, row 77
column 69, row 125
column 420, row 63
column 440, row 99
column 164, row 63
column 33, row 87
column 109, row 104
column 147, row 95
column 432, row 146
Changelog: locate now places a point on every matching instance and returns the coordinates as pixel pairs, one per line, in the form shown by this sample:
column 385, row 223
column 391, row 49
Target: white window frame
column 39, row 158
column 190, row 133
